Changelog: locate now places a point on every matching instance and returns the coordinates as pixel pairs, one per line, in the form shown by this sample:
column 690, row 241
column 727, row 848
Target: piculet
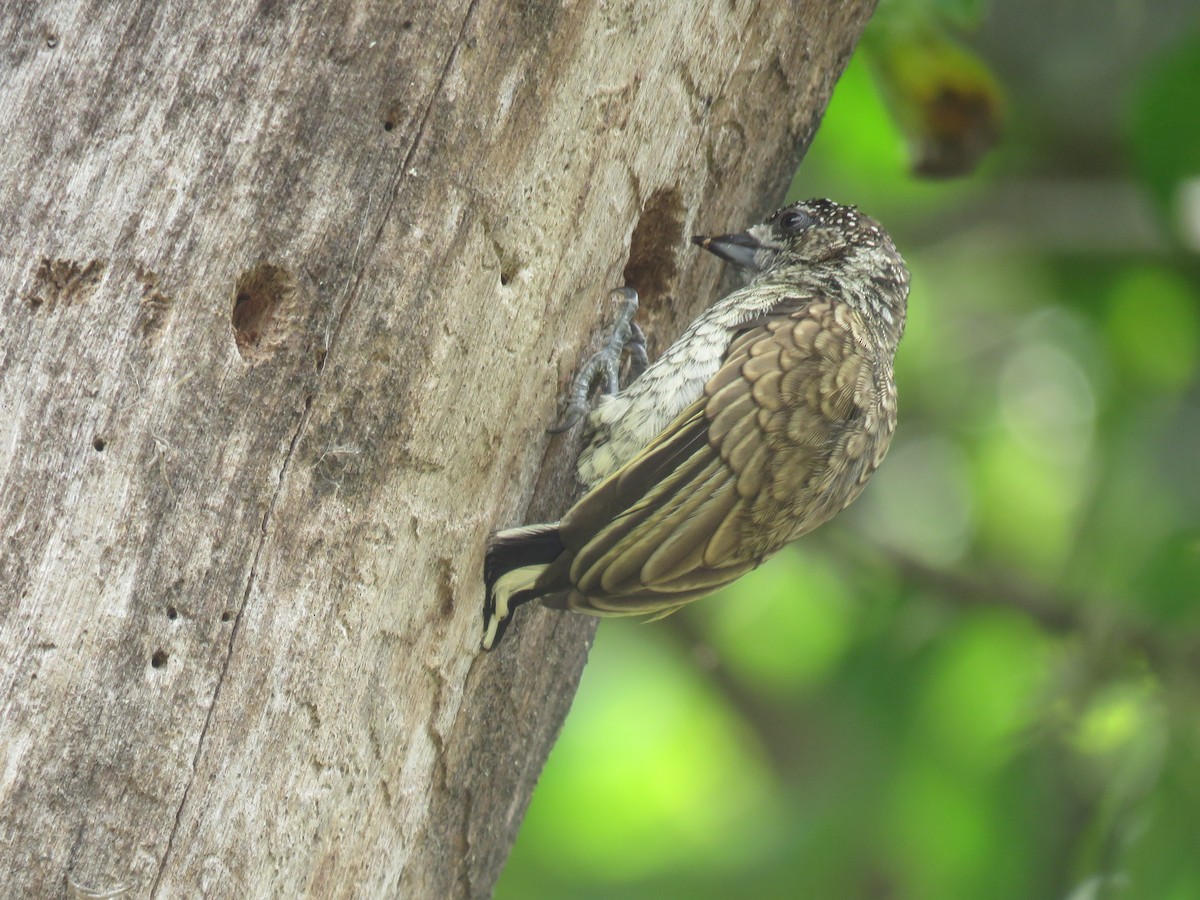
column 763, row 420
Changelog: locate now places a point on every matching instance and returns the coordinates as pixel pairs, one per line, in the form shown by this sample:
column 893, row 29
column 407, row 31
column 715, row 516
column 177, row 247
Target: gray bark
column 288, row 293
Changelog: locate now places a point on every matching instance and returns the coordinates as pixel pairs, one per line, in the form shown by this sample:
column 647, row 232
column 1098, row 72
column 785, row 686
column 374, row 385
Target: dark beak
column 738, row 249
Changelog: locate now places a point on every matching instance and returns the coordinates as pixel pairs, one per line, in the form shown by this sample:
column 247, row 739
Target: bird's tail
column 515, row 561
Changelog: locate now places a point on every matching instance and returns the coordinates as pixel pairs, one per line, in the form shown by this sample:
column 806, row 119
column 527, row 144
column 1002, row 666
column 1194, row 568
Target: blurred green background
column 983, row 680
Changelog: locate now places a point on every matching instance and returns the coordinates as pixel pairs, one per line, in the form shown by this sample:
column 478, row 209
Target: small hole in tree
column 159, row 659
column 172, row 612
column 656, row 239
column 225, row 616
column 258, row 296
column 99, row 444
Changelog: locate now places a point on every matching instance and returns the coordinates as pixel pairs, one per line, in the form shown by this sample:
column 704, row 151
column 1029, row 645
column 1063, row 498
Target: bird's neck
column 831, row 281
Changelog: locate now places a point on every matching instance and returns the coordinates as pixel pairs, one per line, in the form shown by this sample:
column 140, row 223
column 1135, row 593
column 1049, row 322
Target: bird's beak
column 739, row 249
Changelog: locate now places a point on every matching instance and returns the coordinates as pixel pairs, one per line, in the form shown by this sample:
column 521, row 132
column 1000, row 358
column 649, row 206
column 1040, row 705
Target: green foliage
column 1165, row 132
column 1152, row 327
column 941, row 94
column 982, row 680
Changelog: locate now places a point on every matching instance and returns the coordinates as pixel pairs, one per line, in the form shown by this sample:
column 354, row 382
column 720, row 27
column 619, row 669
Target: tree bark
column 289, row 294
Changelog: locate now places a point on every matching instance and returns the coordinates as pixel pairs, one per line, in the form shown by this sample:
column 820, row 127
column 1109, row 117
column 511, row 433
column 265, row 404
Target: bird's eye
column 791, row 222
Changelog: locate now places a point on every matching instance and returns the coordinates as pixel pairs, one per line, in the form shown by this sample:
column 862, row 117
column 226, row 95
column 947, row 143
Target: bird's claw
column 606, row 362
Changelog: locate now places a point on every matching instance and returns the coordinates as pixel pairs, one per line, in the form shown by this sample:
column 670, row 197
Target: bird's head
column 821, row 242
column 809, row 233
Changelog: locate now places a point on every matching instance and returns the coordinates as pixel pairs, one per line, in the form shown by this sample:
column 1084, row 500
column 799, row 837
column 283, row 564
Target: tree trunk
column 290, row 292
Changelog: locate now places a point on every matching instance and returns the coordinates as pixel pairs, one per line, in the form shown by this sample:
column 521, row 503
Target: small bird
column 762, row 421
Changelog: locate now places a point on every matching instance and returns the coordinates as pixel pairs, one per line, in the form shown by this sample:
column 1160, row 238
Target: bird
column 762, row 421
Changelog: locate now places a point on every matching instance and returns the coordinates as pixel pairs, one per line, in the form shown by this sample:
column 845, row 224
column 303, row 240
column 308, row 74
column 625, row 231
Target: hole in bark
column 510, row 264
column 257, row 298
column 99, row 444
column 656, row 240
column 225, row 616
column 159, row 659
column 52, row 41
column 172, row 612
column 389, row 125
column 406, row 25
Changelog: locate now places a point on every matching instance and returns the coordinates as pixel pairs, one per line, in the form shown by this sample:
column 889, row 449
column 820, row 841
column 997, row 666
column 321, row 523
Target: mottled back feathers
column 786, row 433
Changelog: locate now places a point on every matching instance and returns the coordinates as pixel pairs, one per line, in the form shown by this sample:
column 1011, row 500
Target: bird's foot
column 606, row 363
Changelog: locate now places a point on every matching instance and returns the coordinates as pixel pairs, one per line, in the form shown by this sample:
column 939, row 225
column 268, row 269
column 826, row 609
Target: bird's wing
column 731, row 478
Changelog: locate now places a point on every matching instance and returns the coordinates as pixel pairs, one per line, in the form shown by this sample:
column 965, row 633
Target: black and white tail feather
column 517, row 560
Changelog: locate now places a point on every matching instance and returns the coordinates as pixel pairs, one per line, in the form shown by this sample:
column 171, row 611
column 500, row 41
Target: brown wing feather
column 784, row 437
